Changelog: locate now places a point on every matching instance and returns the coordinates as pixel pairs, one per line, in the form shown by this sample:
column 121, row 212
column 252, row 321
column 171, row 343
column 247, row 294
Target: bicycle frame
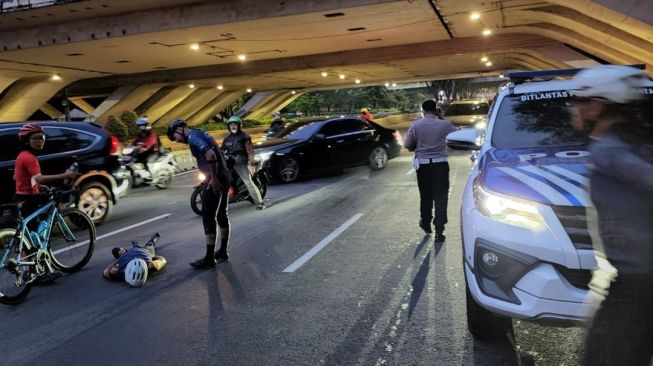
column 23, row 232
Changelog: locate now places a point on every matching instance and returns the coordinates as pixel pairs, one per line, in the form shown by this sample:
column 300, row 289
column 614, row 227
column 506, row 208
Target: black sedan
column 310, row 147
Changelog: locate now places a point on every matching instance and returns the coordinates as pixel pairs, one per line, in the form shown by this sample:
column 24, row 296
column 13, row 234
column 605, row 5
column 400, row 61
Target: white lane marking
column 411, row 171
column 184, row 173
column 543, row 189
column 323, row 243
column 111, row 233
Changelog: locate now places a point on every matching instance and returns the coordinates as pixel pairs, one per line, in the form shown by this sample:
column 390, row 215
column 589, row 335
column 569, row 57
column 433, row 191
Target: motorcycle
column 160, row 171
column 237, row 190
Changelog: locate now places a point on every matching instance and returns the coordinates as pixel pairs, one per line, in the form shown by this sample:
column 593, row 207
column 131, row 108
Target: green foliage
column 117, row 128
column 350, row 101
column 128, row 118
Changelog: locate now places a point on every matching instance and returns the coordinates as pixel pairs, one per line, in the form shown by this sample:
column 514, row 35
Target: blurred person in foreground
column 604, row 105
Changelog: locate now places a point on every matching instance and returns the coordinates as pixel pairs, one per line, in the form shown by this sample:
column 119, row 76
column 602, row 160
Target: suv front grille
column 579, row 278
column 574, row 220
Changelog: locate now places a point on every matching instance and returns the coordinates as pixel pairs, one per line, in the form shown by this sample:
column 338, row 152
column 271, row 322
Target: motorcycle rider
column 146, row 143
column 239, row 146
column 366, row 115
column 215, row 199
column 604, row 106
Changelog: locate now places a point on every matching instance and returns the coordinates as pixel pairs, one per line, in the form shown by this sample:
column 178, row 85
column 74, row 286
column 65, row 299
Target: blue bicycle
column 63, row 242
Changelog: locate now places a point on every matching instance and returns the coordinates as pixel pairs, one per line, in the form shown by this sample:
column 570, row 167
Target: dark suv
column 102, row 177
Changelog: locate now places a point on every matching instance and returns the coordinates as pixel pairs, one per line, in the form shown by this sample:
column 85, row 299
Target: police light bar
column 526, row 75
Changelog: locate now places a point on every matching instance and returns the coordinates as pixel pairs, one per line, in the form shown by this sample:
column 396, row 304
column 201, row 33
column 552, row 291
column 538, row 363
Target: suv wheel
column 483, row 324
column 95, row 201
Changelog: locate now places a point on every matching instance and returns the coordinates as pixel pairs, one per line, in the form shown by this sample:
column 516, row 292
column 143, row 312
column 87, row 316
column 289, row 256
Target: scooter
column 160, row 171
column 237, row 190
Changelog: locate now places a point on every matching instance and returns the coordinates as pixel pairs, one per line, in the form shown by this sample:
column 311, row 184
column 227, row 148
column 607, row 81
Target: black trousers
column 433, row 183
column 214, row 209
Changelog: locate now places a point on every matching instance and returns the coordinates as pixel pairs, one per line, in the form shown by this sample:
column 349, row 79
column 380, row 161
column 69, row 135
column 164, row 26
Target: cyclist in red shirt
column 27, row 172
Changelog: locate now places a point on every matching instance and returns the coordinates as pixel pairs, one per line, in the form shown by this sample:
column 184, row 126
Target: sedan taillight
column 115, row 146
column 397, row 136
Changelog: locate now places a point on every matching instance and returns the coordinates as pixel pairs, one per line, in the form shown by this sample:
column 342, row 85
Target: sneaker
column 221, row 257
column 426, row 228
column 203, row 263
column 262, row 206
column 439, row 238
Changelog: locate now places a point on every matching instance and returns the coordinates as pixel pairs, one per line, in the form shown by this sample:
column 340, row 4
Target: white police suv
column 527, row 250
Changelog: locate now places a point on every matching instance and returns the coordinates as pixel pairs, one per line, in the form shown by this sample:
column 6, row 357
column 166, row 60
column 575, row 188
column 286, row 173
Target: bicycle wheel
column 70, row 253
column 10, row 293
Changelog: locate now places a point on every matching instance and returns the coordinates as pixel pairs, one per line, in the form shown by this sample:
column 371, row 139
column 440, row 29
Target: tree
column 128, row 118
column 117, row 128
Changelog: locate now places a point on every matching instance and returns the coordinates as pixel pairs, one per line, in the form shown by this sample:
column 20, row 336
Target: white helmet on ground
column 136, row 272
column 614, row 83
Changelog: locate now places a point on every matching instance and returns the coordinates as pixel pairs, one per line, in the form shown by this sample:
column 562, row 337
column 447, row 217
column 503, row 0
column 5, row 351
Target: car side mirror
column 465, row 139
column 320, row 136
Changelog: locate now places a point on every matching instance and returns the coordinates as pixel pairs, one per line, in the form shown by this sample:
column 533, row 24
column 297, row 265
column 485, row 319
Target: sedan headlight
column 262, row 157
column 507, row 210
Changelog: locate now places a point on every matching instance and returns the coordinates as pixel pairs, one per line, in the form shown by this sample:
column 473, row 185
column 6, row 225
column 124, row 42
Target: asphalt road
column 379, row 293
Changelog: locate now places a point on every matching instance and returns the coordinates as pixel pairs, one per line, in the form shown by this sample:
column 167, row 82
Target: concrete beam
column 266, row 110
column 214, row 107
column 82, row 104
column 282, row 103
column 500, row 43
column 254, row 103
column 631, row 16
column 26, row 96
column 129, row 102
column 191, row 104
column 159, row 18
column 111, row 101
column 574, row 39
column 51, row 111
column 165, row 103
column 589, row 27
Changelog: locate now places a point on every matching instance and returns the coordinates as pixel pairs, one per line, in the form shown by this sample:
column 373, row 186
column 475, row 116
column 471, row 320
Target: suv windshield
column 466, row 109
column 535, row 119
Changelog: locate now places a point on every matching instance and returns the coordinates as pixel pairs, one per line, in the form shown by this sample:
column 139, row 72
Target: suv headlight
column 507, row 210
column 262, row 157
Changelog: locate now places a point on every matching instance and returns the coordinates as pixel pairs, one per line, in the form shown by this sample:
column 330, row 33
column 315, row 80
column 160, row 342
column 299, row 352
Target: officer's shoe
column 221, row 257
column 426, row 227
column 439, row 238
column 203, row 263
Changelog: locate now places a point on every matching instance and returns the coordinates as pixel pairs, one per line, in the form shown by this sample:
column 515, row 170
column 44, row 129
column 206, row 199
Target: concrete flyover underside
column 138, row 56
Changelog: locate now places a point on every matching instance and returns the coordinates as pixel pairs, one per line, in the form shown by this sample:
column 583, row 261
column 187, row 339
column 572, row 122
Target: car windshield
column 304, row 131
column 290, row 128
column 535, row 119
column 465, row 109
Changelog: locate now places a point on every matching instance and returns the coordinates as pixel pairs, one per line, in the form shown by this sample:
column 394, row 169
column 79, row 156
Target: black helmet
column 173, row 126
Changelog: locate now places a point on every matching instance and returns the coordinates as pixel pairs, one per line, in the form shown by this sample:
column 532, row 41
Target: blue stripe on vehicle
column 567, row 195
column 544, row 189
column 579, row 194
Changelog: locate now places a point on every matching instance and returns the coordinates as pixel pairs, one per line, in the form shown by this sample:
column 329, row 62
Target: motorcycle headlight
column 201, row 177
column 261, row 157
column 507, row 210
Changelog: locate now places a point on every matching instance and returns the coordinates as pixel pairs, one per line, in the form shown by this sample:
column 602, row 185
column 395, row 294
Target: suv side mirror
column 465, row 139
